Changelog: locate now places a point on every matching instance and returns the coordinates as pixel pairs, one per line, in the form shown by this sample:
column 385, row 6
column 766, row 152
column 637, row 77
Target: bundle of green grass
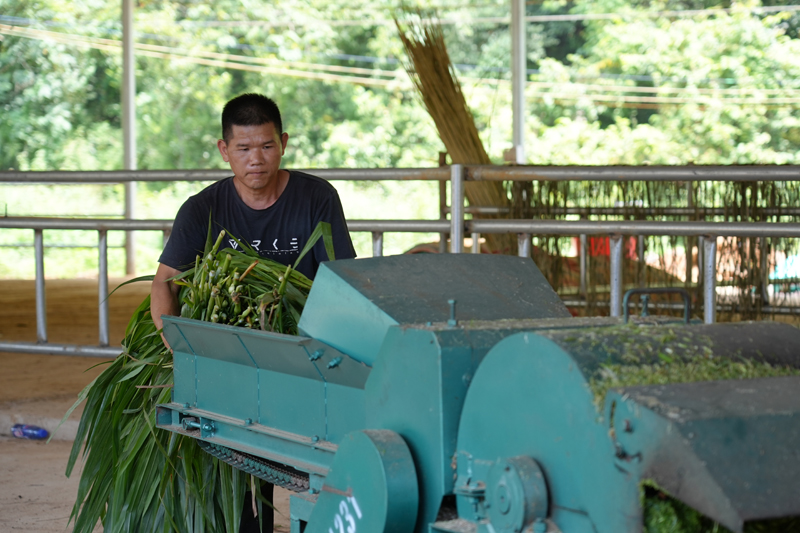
column 139, row 478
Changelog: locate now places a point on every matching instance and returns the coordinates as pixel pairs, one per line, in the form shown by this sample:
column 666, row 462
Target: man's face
column 254, row 153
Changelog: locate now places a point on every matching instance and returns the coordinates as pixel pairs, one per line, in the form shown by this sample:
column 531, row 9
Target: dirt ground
column 35, row 495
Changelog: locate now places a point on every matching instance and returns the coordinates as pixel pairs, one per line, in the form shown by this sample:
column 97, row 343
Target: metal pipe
column 710, row 279
column 443, row 210
column 476, row 243
column 165, row 238
column 523, row 244
column 120, row 176
column 519, row 78
column 636, row 173
column 636, row 227
column 129, row 126
column 377, row 244
column 615, row 251
column 764, row 242
column 102, row 286
column 650, row 211
column 60, row 349
column 582, row 253
column 398, row 226
column 41, row 305
column 473, row 172
column 641, row 272
column 456, row 209
column 553, row 227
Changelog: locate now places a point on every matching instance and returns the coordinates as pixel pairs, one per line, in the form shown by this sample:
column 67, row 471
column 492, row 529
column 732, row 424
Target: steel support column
column 41, row 305
column 377, row 244
column 710, row 279
column 129, row 127
column 524, row 244
column 519, row 77
column 457, row 209
column 615, row 250
column 102, row 286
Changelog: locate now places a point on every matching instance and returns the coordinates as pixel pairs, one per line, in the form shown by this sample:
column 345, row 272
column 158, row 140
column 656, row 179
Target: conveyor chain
column 275, row 473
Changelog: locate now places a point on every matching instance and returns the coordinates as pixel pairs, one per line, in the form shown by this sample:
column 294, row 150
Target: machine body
column 452, row 393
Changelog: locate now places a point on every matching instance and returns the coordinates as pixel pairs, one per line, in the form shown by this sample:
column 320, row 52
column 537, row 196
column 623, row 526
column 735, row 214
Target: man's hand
column 164, row 296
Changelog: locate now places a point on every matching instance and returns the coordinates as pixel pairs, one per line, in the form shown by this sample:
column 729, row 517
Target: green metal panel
column 529, row 398
column 726, row 448
column 371, row 487
column 227, row 389
column 353, row 302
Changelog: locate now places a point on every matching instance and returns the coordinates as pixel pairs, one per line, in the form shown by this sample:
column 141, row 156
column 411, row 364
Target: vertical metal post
column 41, row 305
column 377, row 243
column 102, row 285
column 582, row 255
column 642, row 265
column 710, row 279
column 615, row 250
column 129, row 127
column 519, row 76
column 700, row 258
column 524, row 244
column 476, row 243
column 165, row 238
column 456, row 209
column 442, row 215
column 764, row 242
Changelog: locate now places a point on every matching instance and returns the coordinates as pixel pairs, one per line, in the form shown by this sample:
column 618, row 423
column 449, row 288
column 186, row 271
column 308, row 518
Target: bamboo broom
column 434, row 77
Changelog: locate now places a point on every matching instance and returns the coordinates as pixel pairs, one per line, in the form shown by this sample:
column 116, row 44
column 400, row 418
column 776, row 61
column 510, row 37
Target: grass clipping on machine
column 657, row 363
column 136, row 477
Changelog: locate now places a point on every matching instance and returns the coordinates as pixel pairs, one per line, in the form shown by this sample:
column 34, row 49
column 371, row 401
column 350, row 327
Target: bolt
column 186, row 405
column 335, row 362
column 315, row 438
column 313, row 491
column 628, row 426
column 452, row 322
column 248, row 421
column 316, row 355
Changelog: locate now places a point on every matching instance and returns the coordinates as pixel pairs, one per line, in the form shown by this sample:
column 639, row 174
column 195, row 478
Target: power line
column 449, row 21
column 385, row 79
column 374, row 60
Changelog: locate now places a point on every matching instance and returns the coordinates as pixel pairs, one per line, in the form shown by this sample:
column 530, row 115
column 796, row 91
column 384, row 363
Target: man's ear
column 284, row 140
column 222, row 146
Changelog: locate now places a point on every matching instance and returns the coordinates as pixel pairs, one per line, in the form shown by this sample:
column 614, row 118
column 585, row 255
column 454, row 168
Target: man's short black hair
column 250, row 109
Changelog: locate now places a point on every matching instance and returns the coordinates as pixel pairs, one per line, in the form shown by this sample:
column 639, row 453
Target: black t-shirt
column 278, row 232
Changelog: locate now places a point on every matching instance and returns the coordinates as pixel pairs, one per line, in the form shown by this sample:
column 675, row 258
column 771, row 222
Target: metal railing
column 456, row 227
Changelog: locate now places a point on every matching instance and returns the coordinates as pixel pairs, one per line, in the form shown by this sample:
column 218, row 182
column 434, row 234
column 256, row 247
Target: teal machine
column 451, row 394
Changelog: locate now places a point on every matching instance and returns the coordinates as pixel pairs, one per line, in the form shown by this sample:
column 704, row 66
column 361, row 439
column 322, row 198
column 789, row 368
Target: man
column 271, row 209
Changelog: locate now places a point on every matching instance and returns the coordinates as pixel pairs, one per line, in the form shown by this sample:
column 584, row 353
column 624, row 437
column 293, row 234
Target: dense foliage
column 717, row 86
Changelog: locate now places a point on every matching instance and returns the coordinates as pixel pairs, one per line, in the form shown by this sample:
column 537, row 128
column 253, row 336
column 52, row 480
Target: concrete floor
column 35, row 495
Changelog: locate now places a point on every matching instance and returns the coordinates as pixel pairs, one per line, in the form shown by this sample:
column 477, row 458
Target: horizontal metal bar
column 81, row 246
column 636, row 173
column 767, row 309
column 109, row 352
column 540, row 227
column 636, row 227
column 400, row 226
column 108, row 224
column 661, row 211
column 121, row 176
column 477, row 172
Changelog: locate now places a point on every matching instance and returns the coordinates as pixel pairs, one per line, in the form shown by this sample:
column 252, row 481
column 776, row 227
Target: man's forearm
column 163, row 295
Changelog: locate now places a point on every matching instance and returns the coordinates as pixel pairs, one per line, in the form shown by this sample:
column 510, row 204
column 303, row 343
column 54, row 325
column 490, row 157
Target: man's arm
column 164, row 295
